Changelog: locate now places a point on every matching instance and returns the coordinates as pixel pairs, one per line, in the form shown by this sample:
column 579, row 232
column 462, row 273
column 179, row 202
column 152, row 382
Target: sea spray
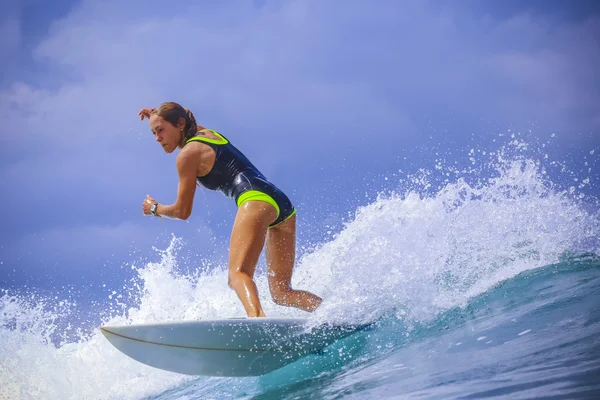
column 419, row 251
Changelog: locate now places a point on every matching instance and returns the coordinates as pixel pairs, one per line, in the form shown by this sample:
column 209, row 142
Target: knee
column 235, row 277
column 231, row 278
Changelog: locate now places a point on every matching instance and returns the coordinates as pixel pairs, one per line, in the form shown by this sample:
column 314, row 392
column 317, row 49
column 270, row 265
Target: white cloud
column 251, row 73
column 288, row 67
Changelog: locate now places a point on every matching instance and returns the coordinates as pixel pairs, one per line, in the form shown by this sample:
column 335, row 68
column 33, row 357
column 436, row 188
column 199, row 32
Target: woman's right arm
column 145, row 113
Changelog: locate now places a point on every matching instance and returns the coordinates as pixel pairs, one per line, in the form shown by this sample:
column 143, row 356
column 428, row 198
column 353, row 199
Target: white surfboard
column 224, row 347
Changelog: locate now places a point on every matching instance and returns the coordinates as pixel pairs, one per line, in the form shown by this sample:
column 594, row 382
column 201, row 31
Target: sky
column 327, row 98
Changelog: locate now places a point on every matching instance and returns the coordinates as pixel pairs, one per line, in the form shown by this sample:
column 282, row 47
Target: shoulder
column 191, row 153
column 195, row 153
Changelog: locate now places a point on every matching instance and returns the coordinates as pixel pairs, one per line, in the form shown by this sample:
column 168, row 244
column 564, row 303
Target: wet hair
column 171, row 112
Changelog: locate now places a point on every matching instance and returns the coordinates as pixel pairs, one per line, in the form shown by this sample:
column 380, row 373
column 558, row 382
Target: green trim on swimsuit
column 281, row 222
column 208, row 140
column 255, row 195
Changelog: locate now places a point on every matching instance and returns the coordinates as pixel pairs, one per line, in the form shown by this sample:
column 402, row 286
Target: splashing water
column 419, row 255
column 413, row 254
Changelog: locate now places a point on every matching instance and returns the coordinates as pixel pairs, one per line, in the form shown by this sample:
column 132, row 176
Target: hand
column 147, row 204
column 145, row 113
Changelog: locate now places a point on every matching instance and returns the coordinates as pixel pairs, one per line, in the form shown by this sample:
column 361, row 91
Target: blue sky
column 326, row 97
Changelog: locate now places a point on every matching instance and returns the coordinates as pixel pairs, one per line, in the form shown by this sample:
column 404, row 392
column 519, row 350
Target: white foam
column 418, row 254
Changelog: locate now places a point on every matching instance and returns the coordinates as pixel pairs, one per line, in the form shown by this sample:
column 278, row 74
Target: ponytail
column 191, row 128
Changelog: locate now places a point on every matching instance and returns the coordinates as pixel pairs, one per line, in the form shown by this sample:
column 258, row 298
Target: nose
column 158, row 138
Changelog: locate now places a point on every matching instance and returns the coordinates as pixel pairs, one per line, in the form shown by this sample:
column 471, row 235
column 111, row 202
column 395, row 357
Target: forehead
column 156, row 121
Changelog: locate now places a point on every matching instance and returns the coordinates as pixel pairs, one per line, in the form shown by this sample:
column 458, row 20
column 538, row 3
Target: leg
column 247, row 241
column 281, row 252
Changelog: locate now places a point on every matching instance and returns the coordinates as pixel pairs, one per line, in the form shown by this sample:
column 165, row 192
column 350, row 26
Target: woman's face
column 166, row 134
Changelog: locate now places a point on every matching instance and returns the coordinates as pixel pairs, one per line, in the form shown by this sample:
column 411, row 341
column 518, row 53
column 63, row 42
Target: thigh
column 281, row 253
column 248, row 235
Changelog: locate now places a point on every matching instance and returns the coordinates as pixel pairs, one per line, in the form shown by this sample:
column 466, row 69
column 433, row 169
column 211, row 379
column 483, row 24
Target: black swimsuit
column 235, row 176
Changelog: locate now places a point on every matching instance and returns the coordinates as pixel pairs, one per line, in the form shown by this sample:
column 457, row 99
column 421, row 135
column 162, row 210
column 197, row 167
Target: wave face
column 483, row 281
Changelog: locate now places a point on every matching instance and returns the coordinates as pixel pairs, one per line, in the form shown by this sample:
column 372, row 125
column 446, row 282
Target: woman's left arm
column 187, row 163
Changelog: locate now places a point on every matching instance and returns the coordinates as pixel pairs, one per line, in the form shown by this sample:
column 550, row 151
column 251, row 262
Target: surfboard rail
column 224, row 347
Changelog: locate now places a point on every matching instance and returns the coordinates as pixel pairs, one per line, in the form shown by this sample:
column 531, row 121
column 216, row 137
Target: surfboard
column 224, row 347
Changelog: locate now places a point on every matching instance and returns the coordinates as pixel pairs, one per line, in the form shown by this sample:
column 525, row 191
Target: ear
column 181, row 123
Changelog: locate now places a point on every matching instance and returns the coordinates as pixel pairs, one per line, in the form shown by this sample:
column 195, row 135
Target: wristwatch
column 153, row 209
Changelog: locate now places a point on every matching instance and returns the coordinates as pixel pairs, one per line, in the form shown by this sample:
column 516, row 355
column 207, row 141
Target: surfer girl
column 264, row 215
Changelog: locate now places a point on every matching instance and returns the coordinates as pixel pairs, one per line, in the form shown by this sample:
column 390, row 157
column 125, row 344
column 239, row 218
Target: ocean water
column 483, row 282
